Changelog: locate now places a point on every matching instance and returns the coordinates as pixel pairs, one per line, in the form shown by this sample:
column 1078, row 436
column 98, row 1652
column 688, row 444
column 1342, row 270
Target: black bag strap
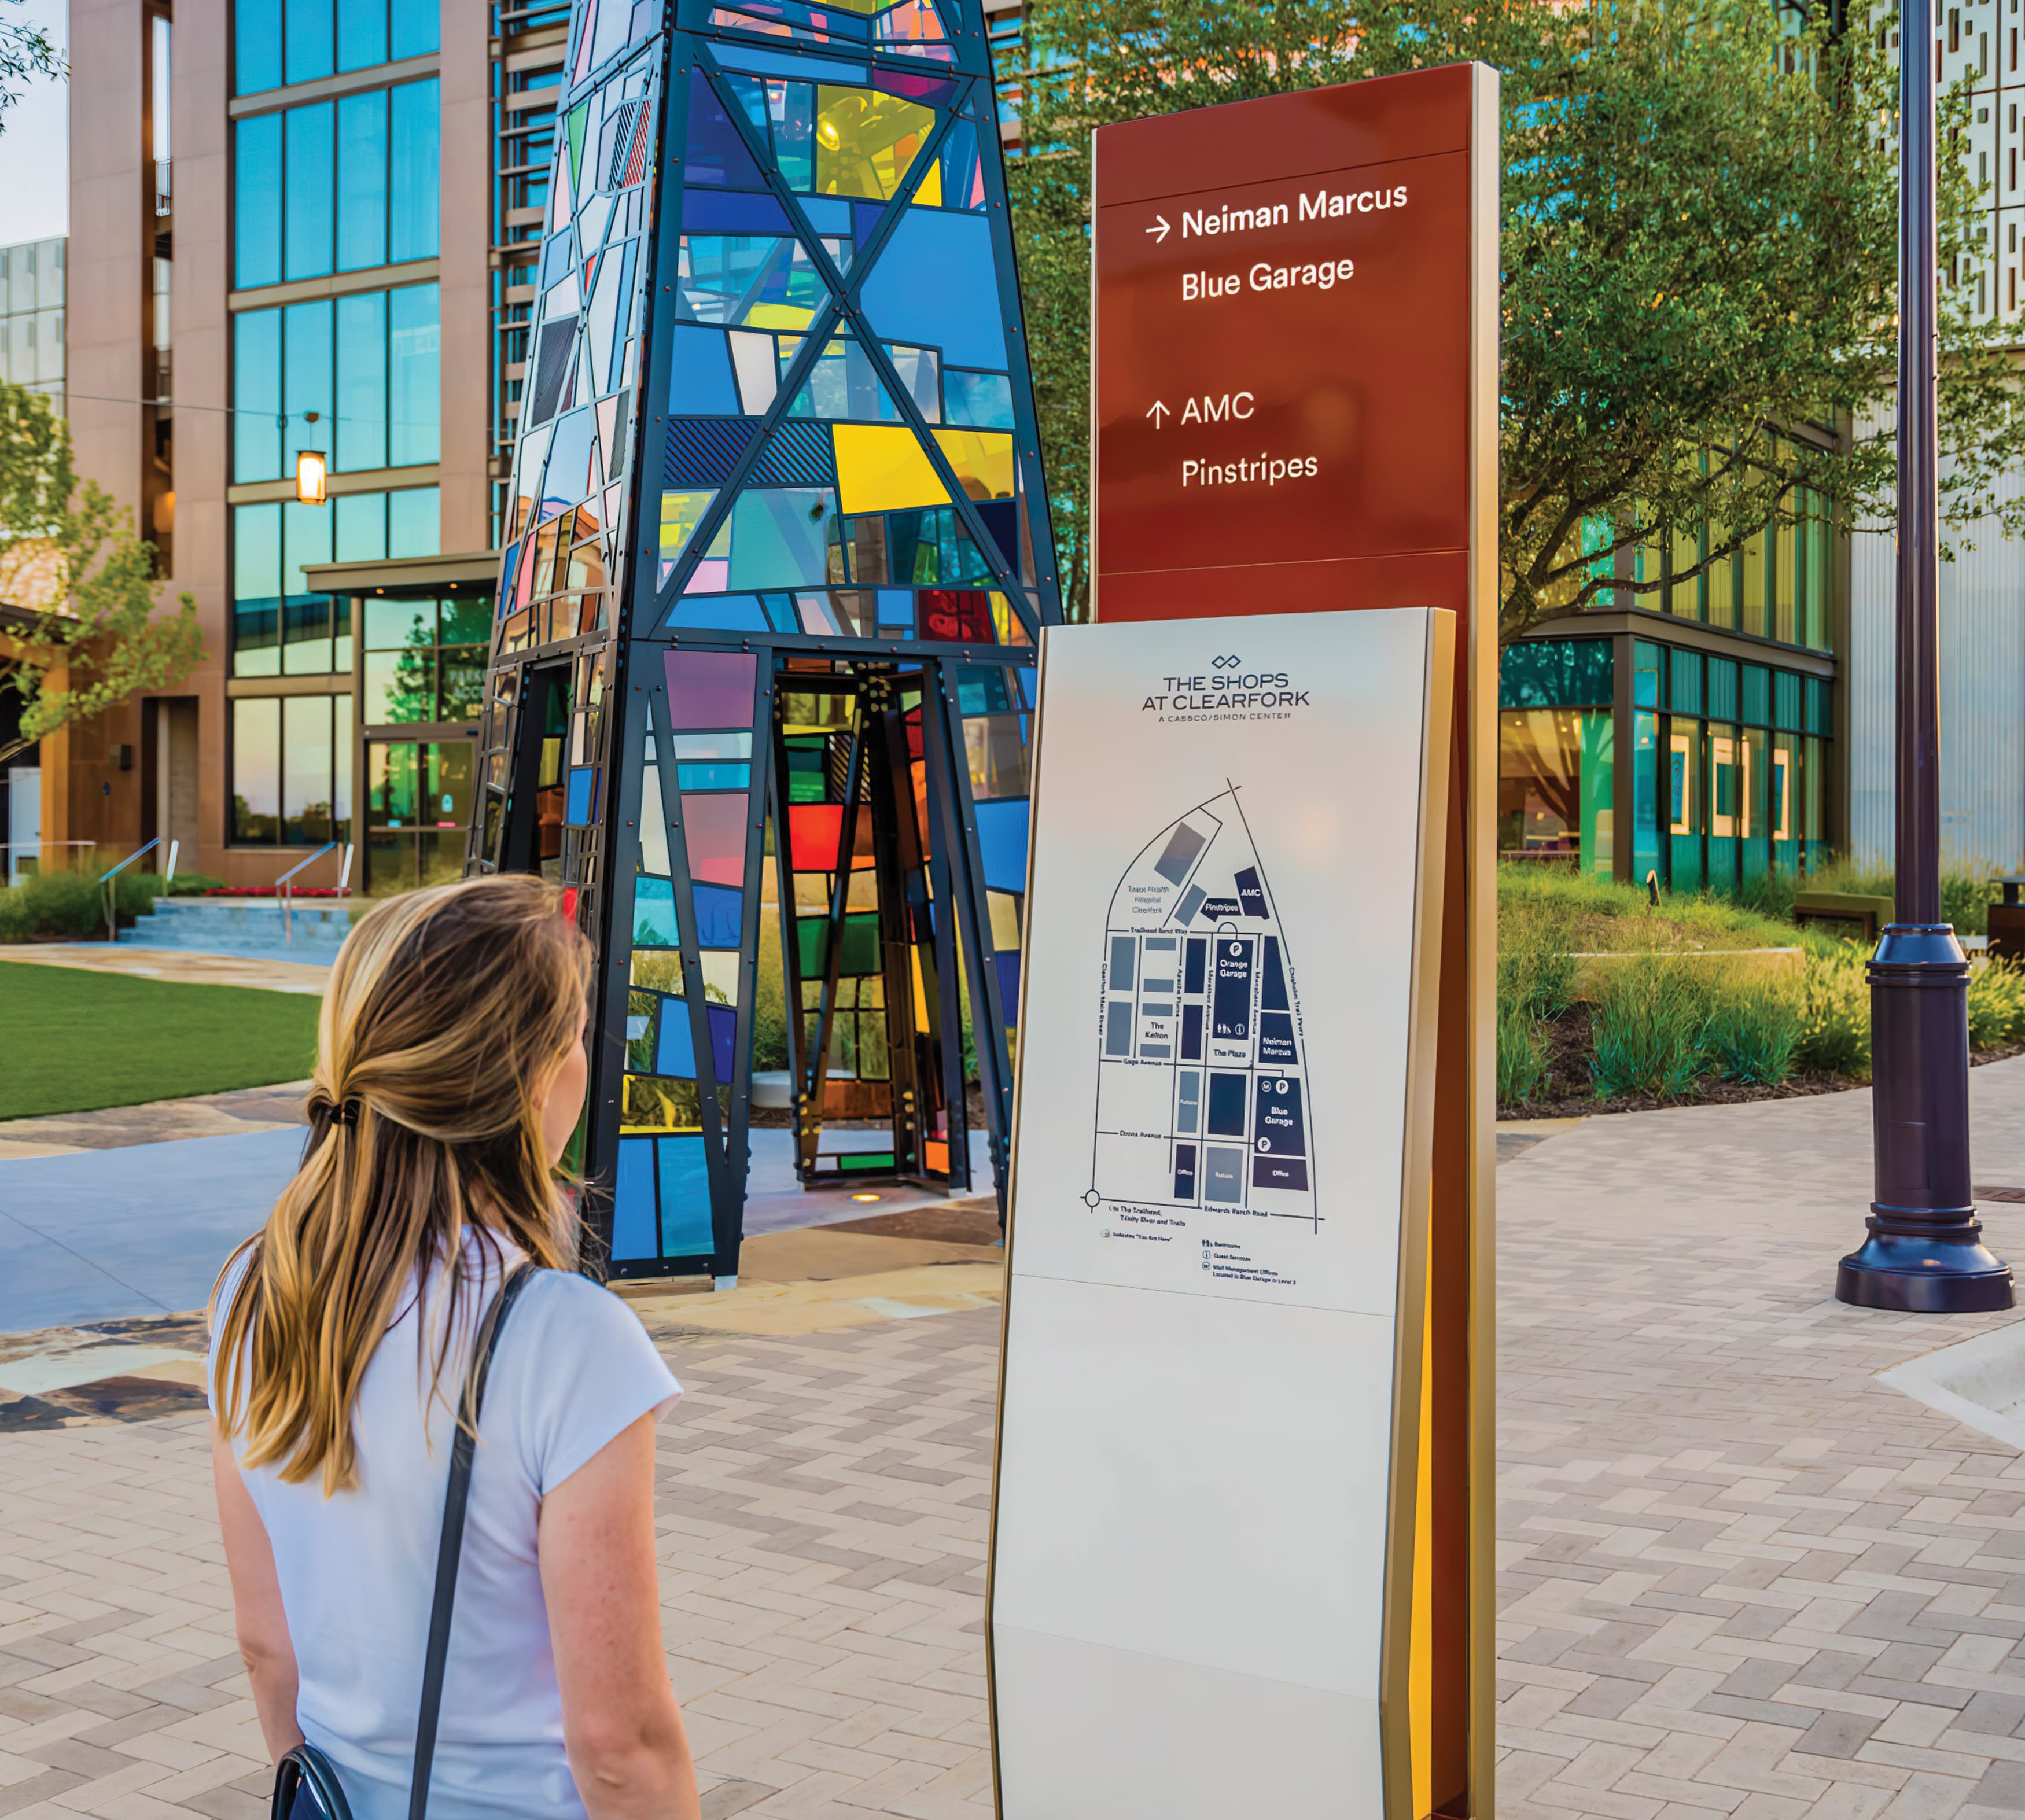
column 449, row 1551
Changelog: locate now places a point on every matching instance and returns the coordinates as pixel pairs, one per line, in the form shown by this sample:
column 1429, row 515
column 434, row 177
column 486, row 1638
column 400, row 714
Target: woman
column 450, row 1074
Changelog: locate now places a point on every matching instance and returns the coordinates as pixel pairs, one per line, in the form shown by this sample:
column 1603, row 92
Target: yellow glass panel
column 652, row 1104
column 930, row 194
column 658, row 970
column 779, row 316
column 865, row 141
column 880, row 468
column 1005, row 921
column 681, row 514
column 982, row 460
column 720, row 975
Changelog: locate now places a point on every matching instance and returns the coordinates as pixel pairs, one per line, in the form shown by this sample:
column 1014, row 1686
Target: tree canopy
column 1699, row 253
column 84, row 633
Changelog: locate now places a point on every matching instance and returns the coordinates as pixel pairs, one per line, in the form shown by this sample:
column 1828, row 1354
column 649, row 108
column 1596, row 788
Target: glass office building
column 335, row 345
column 1685, row 732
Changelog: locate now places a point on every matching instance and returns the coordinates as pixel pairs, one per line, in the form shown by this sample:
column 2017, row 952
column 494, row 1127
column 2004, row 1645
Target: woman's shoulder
column 571, row 1315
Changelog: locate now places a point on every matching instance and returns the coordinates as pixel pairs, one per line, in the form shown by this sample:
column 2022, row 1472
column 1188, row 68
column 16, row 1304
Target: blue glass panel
column 256, row 389
column 568, row 479
column 684, row 1198
column 362, row 380
column 780, row 538
column 714, row 776
column 361, row 30
column 633, row 1200
column 654, row 923
column 306, row 379
column 719, row 613
column 307, row 56
column 827, row 215
column 700, row 383
column 719, row 911
column 417, row 30
column 257, row 200
column 984, row 400
column 578, row 813
column 414, row 360
column 716, row 153
column 1008, row 965
column 308, row 221
column 361, row 180
column 1001, row 839
column 723, row 1036
column 415, row 179
column 934, row 286
column 1030, row 686
column 732, row 212
column 674, row 1053
column 413, row 522
column 257, row 45
column 785, row 63
column 781, row 613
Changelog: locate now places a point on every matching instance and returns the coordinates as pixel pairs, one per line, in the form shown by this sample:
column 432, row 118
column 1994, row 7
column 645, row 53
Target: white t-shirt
column 573, row 1368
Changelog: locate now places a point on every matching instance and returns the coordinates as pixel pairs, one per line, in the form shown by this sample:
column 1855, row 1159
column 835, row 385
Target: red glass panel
column 814, row 830
column 714, row 828
column 956, row 614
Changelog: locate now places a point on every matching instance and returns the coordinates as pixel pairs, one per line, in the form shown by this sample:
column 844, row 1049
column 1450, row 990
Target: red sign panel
column 1283, row 357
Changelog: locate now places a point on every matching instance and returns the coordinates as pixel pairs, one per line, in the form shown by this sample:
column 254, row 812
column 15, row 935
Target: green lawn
column 71, row 1040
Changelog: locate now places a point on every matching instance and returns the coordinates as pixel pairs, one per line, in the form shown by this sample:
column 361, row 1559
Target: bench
column 1844, row 906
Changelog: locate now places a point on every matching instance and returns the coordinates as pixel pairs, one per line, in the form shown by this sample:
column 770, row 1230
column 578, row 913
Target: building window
column 31, row 316
column 368, row 365
column 291, row 770
column 424, row 661
column 292, row 40
column 340, row 185
column 279, row 626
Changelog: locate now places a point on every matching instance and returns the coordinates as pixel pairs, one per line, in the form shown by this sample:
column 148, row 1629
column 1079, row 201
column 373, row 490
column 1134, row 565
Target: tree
column 84, row 633
column 1699, row 260
column 25, row 54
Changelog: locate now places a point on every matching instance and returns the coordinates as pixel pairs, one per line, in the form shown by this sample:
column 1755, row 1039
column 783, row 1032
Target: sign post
column 1242, row 1522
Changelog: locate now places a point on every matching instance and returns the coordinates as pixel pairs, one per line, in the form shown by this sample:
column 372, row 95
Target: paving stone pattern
column 1741, row 1578
column 822, row 1509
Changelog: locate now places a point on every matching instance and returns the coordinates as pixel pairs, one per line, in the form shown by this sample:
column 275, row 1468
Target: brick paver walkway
column 1741, row 1578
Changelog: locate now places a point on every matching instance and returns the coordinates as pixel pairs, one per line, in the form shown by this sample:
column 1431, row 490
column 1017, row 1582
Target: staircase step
column 243, row 926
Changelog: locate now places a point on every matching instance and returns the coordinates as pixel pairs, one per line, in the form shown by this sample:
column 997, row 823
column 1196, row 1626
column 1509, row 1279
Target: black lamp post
column 1925, row 1251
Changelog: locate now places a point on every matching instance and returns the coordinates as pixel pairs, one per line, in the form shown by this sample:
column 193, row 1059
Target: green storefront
column 1690, row 737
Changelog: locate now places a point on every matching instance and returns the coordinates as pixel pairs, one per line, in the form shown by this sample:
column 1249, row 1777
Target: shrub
column 1752, row 1032
column 193, row 884
column 1522, row 1055
column 1648, row 1027
column 1835, row 1011
column 1996, row 1004
column 1770, row 894
column 1536, row 976
column 1965, row 896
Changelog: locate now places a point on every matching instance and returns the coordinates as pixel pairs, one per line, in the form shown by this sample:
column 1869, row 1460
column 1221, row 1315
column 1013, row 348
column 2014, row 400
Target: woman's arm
column 621, row 1725
column 264, row 1643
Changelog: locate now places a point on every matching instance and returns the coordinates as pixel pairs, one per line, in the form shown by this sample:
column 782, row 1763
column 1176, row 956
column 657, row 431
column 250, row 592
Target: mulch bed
column 1569, row 1095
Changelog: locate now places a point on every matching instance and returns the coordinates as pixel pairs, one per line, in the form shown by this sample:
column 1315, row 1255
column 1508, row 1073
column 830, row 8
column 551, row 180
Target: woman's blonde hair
column 447, row 1010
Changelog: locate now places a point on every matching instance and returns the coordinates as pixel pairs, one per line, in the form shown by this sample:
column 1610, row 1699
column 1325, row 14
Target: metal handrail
column 285, row 888
column 105, row 883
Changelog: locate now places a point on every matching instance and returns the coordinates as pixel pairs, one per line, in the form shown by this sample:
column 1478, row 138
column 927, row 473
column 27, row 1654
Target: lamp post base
column 1923, row 1271
column 1925, row 1254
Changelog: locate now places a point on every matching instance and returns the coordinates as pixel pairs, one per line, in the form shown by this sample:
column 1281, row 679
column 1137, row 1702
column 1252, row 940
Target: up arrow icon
column 1160, row 233
column 1159, row 413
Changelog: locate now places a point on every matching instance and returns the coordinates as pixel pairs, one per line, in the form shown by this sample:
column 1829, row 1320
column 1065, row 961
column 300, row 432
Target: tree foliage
column 84, row 633
column 1698, row 250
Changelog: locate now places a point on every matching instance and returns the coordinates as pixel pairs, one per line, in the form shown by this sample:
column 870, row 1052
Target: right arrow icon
column 1160, row 233
column 1159, row 413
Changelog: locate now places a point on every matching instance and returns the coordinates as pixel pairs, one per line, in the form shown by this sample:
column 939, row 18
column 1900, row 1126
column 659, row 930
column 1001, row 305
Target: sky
column 35, row 140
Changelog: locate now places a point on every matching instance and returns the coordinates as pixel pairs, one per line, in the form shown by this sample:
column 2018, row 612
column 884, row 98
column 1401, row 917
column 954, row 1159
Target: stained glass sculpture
column 776, row 554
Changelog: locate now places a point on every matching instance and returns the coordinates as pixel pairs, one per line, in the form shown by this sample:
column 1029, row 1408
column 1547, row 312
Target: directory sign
column 1294, row 413
column 1218, row 1243
column 1282, row 360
